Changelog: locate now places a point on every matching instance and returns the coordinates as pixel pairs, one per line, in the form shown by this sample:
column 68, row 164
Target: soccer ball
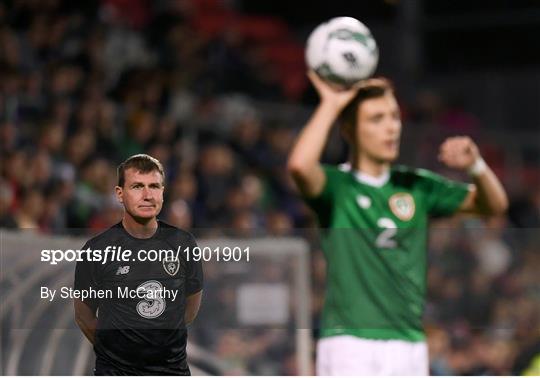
column 342, row 51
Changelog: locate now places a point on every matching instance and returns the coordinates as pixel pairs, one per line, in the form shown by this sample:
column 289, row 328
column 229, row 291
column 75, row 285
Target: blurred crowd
column 84, row 85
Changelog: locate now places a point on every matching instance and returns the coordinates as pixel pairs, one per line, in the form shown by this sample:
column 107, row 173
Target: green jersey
column 374, row 239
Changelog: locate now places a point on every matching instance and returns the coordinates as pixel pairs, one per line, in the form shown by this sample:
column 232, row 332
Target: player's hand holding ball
column 461, row 153
column 334, row 96
column 340, row 53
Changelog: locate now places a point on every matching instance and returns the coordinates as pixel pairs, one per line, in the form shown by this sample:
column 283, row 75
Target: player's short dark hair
column 370, row 88
column 142, row 163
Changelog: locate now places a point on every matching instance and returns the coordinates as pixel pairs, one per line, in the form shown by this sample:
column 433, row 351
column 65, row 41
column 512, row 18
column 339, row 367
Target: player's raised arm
column 488, row 196
column 304, row 160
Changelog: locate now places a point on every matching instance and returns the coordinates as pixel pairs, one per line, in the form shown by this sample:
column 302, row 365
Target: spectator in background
column 179, row 215
column 6, row 199
column 31, row 209
column 217, row 174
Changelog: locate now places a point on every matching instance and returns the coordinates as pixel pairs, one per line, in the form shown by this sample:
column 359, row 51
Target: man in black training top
column 141, row 327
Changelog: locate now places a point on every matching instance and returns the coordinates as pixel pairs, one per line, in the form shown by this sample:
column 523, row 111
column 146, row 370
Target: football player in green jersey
column 375, row 219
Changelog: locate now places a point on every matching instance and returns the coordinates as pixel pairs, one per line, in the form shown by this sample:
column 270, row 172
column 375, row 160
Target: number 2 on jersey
column 385, row 238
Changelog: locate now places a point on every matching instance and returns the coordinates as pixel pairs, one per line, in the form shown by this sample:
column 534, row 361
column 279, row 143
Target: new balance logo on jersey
column 122, row 270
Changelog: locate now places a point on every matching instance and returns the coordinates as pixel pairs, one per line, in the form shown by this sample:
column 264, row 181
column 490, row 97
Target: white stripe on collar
column 364, row 178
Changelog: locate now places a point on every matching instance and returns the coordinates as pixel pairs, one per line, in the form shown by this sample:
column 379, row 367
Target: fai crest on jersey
column 402, row 205
column 171, row 265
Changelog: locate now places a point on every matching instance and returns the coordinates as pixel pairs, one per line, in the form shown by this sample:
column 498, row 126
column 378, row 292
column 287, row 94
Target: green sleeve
column 322, row 204
column 443, row 196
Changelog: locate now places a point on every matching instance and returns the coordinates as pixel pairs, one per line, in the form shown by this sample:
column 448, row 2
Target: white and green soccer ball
column 342, row 51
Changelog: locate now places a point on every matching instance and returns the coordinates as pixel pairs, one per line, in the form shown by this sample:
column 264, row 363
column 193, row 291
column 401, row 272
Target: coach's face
column 142, row 194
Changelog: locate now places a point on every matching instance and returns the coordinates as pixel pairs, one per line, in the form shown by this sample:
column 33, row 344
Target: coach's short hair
column 370, row 88
column 142, row 163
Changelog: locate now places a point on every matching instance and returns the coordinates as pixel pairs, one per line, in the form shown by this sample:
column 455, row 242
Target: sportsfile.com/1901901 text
column 119, row 254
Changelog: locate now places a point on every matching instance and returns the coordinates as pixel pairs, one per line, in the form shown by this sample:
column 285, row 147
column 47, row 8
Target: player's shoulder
column 172, row 233
column 413, row 173
column 106, row 237
column 338, row 171
column 413, row 177
column 168, row 229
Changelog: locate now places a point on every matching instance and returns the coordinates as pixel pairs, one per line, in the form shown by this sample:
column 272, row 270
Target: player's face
column 378, row 128
column 142, row 194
